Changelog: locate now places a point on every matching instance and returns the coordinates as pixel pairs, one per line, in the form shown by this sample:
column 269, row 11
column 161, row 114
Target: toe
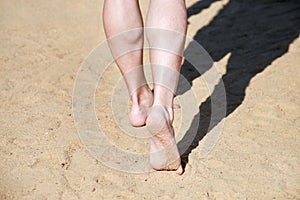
column 180, row 170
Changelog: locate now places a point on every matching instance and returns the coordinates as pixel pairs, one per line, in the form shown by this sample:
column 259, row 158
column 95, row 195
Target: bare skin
column 164, row 154
column 141, row 102
column 153, row 109
column 117, row 20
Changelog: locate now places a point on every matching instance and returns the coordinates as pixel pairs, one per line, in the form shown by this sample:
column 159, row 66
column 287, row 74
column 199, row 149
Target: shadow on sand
column 255, row 32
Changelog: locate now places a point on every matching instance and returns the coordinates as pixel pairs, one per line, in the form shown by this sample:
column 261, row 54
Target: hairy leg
column 120, row 16
column 169, row 15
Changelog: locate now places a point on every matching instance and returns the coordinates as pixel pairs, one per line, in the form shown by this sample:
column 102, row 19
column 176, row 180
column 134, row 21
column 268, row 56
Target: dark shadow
column 199, row 6
column 255, row 32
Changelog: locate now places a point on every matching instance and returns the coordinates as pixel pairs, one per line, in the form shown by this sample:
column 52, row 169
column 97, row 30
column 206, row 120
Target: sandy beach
column 255, row 46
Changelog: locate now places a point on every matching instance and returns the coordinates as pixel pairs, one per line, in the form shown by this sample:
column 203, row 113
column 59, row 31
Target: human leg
column 120, row 16
column 169, row 15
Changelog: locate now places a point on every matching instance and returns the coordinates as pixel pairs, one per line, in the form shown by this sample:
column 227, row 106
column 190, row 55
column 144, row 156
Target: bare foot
column 164, row 153
column 141, row 102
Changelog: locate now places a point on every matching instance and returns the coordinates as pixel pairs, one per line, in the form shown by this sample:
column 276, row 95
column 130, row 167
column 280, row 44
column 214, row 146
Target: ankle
column 142, row 95
column 167, row 107
column 163, row 96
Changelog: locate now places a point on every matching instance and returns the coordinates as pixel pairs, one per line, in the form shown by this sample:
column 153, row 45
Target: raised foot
column 141, row 101
column 138, row 116
column 164, row 153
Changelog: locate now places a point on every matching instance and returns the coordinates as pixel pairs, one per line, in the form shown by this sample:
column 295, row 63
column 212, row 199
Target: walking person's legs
column 125, row 15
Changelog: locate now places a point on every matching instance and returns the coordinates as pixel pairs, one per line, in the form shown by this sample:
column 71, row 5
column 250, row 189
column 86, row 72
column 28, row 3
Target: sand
column 43, row 44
